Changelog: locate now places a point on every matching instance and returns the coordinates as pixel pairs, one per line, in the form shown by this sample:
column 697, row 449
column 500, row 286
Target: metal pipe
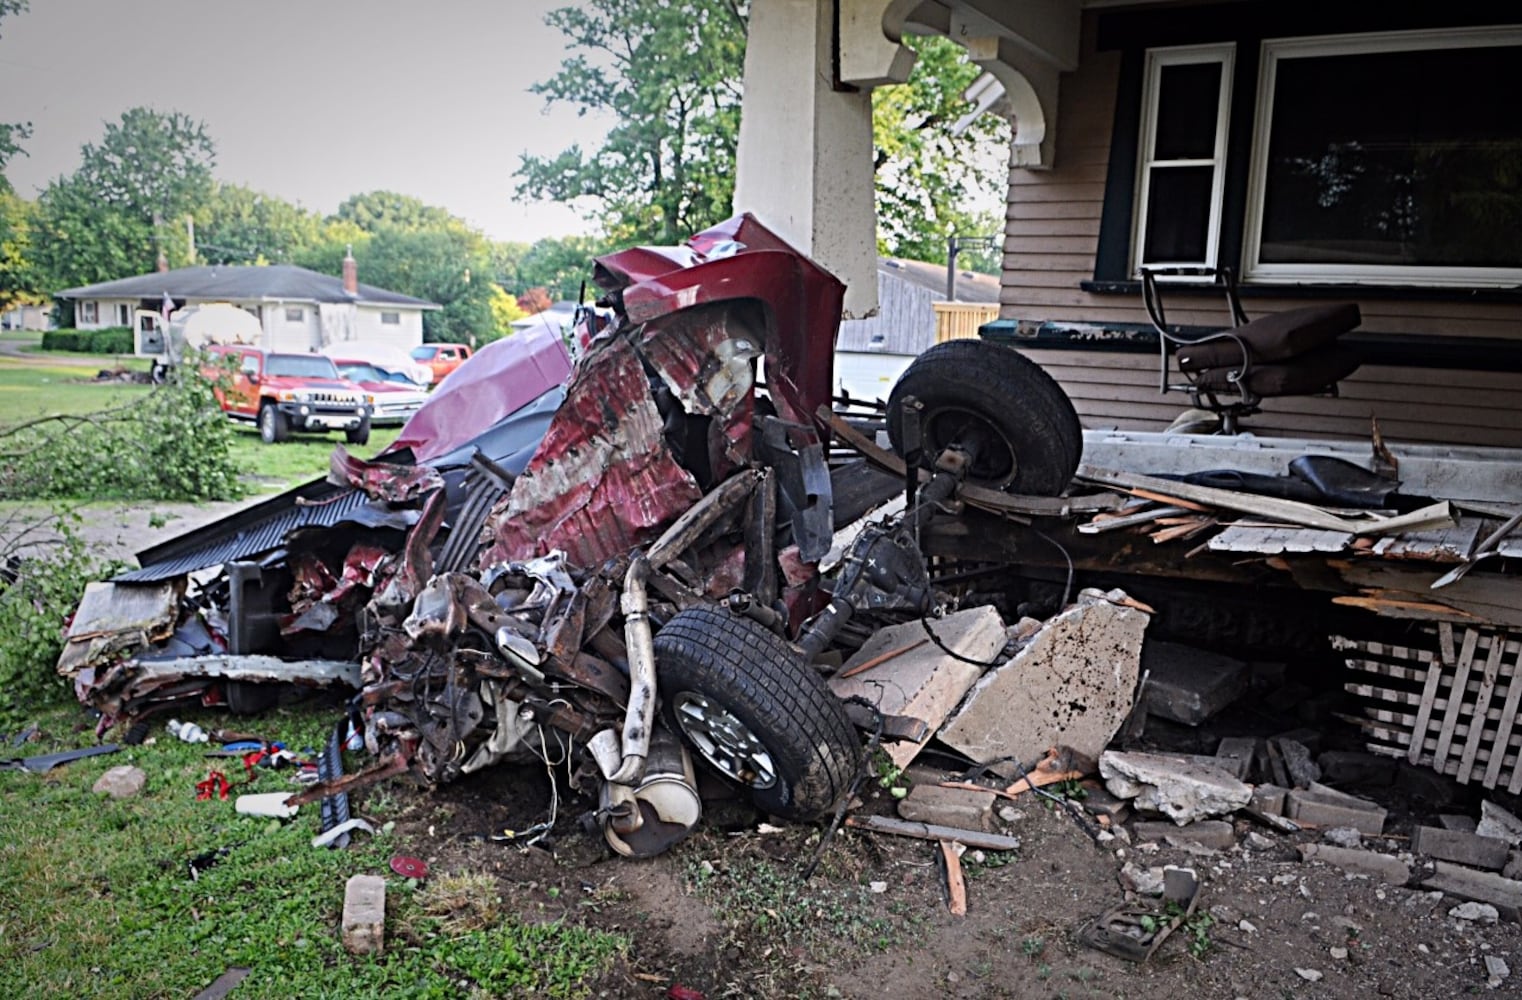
column 640, row 715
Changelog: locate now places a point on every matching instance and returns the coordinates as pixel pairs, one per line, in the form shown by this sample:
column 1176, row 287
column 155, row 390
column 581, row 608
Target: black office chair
column 1290, row 353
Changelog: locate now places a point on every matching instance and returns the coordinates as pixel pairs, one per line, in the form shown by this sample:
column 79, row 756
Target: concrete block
column 1355, row 768
column 1298, row 766
column 1497, row 822
column 1513, row 867
column 364, row 919
column 1237, row 755
column 121, row 782
column 1326, row 807
column 1071, row 685
column 1469, row 849
column 1268, row 800
column 1503, row 893
column 1181, row 790
column 1384, row 867
column 1213, row 833
column 923, row 683
column 1190, row 685
column 954, row 807
column 1457, row 821
column 1099, row 802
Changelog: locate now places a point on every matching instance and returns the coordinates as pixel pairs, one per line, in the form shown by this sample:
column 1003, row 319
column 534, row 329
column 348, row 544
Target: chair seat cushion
column 1309, row 374
column 1274, row 337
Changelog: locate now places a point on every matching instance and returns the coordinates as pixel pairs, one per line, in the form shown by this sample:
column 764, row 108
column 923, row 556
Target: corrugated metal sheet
column 250, row 532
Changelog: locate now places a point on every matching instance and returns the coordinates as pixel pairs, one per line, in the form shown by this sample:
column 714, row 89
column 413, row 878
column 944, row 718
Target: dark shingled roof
column 275, row 282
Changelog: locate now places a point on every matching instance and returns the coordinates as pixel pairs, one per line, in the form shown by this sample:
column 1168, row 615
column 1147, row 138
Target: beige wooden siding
column 1052, row 235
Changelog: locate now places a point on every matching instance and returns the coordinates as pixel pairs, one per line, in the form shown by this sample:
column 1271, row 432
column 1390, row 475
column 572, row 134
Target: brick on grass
column 364, row 920
column 954, row 807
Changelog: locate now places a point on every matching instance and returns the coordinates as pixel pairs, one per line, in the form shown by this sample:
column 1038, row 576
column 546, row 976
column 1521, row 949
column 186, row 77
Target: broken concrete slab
column 1473, row 850
column 1497, row 822
column 1179, row 789
column 1217, row 834
column 1384, row 867
column 1482, row 887
column 364, row 916
column 955, row 807
column 121, row 782
column 1071, row 684
column 1190, row 685
column 923, row 682
column 1319, row 805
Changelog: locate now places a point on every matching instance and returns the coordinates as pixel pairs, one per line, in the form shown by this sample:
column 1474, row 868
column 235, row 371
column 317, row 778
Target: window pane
column 1189, row 96
column 1396, row 158
column 1178, row 215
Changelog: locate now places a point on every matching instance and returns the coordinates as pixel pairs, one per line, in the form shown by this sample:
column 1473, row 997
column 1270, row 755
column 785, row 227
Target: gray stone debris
column 1480, row 913
column 1181, row 790
column 1142, row 881
column 1309, row 975
column 121, row 782
column 1213, row 833
column 961, row 808
column 1190, row 685
column 1343, row 836
column 1258, row 841
column 1463, row 848
column 1383, row 867
column 1496, row 971
column 1497, row 822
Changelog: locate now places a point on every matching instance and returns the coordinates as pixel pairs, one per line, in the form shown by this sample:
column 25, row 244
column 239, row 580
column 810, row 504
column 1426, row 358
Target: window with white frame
column 123, row 314
column 1182, row 162
column 1389, row 158
column 295, row 314
column 391, row 319
column 89, row 311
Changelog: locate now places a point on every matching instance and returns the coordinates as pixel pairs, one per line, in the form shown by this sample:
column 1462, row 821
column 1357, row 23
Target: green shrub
column 171, row 444
column 110, row 340
column 46, row 566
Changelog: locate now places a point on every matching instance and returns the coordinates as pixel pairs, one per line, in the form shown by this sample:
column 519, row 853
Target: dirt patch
column 727, row 912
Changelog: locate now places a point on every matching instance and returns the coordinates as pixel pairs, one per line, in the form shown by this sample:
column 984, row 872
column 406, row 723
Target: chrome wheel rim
column 724, row 741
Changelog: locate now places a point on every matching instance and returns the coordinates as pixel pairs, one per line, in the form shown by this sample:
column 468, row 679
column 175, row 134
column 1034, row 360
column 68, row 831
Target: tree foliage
column 377, row 210
column 560, row 265
column 14, row 133
column 447, row 266
column 931, row 184
column 667, row 73
column 79, row 240
column 18, row 276
column 239, row 225
column 154, row 167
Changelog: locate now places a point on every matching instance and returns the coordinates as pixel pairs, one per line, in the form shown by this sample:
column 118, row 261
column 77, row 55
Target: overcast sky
column 309, row 100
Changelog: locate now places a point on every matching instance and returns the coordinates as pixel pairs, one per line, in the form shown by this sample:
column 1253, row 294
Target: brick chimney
column 351, row 272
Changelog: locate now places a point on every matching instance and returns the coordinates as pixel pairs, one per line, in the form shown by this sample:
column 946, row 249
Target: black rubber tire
column 1039, row 440
column 755, row 676
column 274, row 426
column 360, row 434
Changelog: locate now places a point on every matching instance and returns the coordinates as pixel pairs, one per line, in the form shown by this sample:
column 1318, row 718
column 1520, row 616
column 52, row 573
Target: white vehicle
column 387, row 357
column 192, row 327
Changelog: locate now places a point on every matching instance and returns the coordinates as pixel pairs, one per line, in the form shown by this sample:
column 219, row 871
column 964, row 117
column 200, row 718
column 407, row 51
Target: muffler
column 646, row 819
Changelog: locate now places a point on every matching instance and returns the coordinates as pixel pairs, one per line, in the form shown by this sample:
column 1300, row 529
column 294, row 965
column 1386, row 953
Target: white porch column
column 804, row 165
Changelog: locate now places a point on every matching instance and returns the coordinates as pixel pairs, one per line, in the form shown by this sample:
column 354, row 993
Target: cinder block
column 1213, row 833
column 954, row 807
column 1071, row 685
column 1237, row 754
column 1325, row 807
column 364, row 921
column 1483, row 887
column 1463, row 848
column 1190, row 685
column 1359, row 862
column 1268, row 799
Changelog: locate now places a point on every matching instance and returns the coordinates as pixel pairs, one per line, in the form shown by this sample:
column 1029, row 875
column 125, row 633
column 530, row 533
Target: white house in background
column 26, row 318
column 558, row 317
column 298, row 310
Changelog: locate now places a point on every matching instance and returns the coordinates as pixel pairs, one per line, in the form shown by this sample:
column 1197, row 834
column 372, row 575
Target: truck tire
column 274, row 426
column 360, row 434
column 755, row 711
column 1030, row 440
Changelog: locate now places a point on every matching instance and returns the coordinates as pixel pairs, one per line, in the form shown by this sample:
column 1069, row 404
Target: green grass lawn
column 96, row 898
column 29, row 390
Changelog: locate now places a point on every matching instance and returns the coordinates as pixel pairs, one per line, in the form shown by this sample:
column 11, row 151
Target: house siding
column 1051, row 239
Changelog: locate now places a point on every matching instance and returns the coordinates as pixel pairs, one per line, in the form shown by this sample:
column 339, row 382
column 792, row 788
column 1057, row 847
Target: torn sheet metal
column 116, row 619
column 389, row 481
column 603, row 479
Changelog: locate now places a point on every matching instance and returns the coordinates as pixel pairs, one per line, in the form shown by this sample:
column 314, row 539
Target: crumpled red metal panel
column 382, row 480
column 689, row 350
column 603, row 480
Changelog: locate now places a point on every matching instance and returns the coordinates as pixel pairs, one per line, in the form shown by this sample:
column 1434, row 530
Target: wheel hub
column 995, row 463
column 724, row 741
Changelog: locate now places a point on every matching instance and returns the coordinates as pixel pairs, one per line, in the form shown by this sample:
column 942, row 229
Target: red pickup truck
column 286, row 393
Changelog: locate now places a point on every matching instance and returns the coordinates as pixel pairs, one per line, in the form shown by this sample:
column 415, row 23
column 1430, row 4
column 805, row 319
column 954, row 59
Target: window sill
column 1340, row 292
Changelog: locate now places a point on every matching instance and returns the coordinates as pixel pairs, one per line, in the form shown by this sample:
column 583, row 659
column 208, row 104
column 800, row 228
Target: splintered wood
column 1449, row 701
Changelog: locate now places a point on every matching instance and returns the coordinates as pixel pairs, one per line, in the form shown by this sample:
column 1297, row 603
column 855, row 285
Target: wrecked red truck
column 612, row 571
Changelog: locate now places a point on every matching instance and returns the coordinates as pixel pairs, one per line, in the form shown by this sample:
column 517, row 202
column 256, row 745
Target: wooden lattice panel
column 1449, row 701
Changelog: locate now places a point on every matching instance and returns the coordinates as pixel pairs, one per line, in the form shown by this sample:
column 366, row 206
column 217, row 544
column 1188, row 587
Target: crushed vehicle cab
column 284, row 394
column 614, row 565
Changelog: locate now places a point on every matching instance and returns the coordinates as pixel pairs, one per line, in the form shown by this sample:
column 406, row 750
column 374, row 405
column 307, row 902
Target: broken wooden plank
column 1293, row 511
column 932, row 831
column 956, row 884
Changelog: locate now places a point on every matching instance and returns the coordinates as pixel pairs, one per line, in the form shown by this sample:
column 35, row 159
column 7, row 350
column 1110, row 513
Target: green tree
column 18, row 277
column 335, row 239
column 238, row 225
column 932, row 184
column 377, row 210
column 561, row 265
column 504, row 310
column 13, row 134
column 447, row 266
column 78, row 240
column 154, row 168
column 667, row 73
